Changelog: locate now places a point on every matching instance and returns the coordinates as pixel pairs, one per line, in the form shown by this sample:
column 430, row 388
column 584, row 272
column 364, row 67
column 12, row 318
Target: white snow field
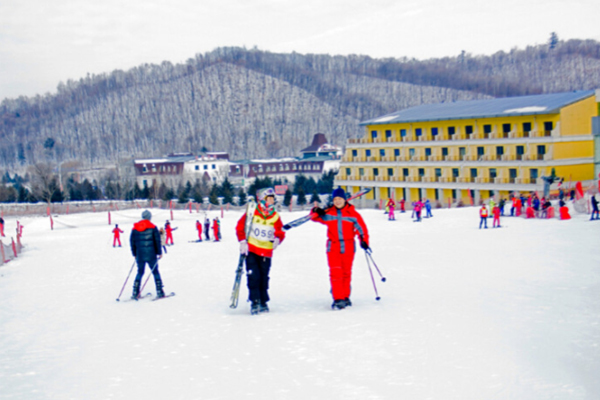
column 509, row 313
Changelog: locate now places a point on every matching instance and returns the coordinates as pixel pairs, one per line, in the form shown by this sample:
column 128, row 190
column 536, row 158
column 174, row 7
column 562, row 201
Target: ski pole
column 372, row 278
column 369, row 253
column 128, row 275
column 148, row 278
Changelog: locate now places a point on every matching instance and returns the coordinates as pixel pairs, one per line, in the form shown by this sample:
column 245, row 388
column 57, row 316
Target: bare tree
column 44, row 182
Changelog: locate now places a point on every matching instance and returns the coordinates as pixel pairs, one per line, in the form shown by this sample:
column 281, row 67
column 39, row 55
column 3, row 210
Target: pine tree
column 287, row 198
column 301, row 200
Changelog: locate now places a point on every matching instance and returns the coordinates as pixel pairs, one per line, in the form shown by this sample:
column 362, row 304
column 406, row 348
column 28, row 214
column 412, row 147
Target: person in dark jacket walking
column 146, row 248
column 594, row 208
column 207, row 228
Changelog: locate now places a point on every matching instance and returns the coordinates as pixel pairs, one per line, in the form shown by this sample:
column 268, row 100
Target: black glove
column 287, row 227
column 364, row 245
column 319, row 211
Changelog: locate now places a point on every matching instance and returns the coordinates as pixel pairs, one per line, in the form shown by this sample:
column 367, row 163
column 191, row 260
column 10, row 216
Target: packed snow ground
column 509, row 313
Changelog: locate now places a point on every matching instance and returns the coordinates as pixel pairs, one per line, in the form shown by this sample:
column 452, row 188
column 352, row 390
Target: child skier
column 169, row 232
column 483, row 214
column 117, row 235
column 391, row 204
column 496, row 214
column 343, row 224
column 266, row 235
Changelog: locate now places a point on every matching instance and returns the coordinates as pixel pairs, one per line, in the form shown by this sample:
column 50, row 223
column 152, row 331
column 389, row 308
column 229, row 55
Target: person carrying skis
column 265, row 236
column 483, row 214
column 343, row 224
column 207, row 228
column 199, row 229
column 146, row 248
column 117, row 235
column 391, row 204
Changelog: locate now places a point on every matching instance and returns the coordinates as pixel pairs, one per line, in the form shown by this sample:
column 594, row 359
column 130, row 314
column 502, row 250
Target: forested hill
column 253, row 104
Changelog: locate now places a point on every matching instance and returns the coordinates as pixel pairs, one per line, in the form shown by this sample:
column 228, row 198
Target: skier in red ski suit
column 117, row 235
column 199, row 229
column 169, row 232
column 216, row 229
column 343, row 224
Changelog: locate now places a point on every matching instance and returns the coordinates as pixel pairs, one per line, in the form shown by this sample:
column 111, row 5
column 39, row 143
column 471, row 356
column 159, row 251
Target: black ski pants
column 257, row 270
column 141, row 264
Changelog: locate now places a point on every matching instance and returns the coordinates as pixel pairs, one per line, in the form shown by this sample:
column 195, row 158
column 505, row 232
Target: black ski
column 306, row 218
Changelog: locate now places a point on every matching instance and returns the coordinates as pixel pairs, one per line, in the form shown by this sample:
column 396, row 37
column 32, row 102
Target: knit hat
column 339, row 192
column 146, row 215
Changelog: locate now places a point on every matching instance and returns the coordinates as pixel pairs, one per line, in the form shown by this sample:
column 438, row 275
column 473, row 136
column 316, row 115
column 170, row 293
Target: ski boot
column 263, row 308
column 159, row 289
column 255, row 307
column 338, row 305
column 348, row 302
column 136, row 290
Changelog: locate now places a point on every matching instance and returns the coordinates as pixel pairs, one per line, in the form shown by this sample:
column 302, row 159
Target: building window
column 396, row 152
column 462, row 151
column 434, row 131
column 444, row 151
column 451, row 130
column 487, row 129
column 205, row 167
column 541, row 151
column 421, row 172
column 354, row 153
column 402, row 132
column 418, row 132
column 506, row 128
column 390, row 171
column 214, row 166
column 526, row 127
column 480, row 151
column 493, row 173
column 533, row 174
column 438, row 172
column 144, row 168
column 368, row 152
column 427, row 151
column 473, row 172
column 469, row 129
column 348, row 171
column 455, row 173
column 520, row 152
column 361, row 171
column 382, row 152
column 405, row 172
column 375, row 171
column 499, row 152
column 197, row 167
column 411, row 153
column 512, row 175
column 153, row 167
column 388, row 134
column 373, row 135
column 548, row 126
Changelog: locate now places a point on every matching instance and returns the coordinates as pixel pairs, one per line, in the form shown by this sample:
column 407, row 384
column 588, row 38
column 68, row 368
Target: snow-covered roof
column 508, row 106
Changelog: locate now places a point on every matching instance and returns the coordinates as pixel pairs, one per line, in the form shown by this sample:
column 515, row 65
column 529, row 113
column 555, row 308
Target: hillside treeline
column 256, row 104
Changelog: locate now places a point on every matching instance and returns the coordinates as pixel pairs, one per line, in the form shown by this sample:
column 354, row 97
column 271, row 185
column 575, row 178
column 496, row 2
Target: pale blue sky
column 44, row 42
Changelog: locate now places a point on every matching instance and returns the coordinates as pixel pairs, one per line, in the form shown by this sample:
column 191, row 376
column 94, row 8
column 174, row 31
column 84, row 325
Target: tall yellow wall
column 565, row 150
column 576, row 119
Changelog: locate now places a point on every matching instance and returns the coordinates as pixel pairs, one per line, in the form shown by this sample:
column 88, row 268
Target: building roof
column 319, row 140
column 503, row 107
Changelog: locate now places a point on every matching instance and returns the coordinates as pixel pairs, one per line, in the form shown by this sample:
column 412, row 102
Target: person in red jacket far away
column 117, row 235
column 343, row 224
column 199, row 229
column 496, row 214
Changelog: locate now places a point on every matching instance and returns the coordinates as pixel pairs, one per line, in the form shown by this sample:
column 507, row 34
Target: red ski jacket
column 342, row 226
column 265, row 229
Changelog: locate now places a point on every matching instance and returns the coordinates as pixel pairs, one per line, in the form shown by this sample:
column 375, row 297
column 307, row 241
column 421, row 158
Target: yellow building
column 475, row 149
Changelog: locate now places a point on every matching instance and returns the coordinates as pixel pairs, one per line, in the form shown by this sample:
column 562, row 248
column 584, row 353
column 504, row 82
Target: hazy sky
column 44, row 42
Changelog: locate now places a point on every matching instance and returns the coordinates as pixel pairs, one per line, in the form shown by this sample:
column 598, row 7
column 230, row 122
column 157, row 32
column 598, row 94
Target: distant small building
column 215, row 167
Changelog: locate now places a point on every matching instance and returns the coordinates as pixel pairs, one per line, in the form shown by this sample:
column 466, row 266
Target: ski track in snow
column 509, row 313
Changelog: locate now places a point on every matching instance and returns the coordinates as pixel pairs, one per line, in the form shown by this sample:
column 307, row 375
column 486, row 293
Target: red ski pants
column 340, row 270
